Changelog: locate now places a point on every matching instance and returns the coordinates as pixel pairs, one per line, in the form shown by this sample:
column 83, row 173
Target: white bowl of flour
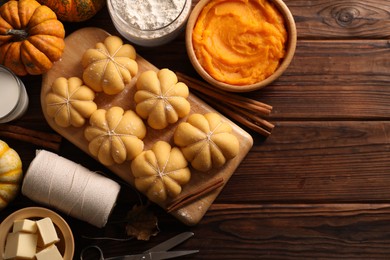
column 149, row 22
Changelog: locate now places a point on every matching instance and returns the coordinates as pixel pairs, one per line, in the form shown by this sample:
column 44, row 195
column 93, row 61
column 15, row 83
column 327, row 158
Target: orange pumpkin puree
column 239, row 42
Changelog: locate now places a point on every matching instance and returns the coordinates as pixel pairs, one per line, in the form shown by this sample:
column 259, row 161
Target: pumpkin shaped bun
column 70, row 102
column 31, row 37
column 109, row 66
column 160, row 98
column 160, row 172
column 115, row 135
column 206, row 141
column 10, row 174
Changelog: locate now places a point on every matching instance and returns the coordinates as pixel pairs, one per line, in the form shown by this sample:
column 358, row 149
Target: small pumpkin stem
column 19, row 34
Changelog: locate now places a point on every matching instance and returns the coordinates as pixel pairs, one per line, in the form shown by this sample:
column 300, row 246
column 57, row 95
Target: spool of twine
column 71, row 188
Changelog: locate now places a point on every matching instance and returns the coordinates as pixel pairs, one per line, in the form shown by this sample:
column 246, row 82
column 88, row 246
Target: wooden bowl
column 290, row 49
column 66, row 243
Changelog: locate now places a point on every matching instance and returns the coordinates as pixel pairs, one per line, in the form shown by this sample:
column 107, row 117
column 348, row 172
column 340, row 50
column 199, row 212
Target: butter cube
column 20, row 245
column 24, row 225
column 49, row 253
column 47, row 232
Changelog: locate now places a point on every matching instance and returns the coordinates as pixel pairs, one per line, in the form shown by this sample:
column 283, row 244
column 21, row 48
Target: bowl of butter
column 36, row 233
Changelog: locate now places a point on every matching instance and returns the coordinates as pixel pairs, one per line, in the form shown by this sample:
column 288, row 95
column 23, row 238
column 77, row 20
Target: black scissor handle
column 88, row 248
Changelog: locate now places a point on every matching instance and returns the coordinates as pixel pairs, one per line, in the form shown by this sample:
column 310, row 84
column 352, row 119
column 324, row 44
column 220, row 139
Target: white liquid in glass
column 9, row 93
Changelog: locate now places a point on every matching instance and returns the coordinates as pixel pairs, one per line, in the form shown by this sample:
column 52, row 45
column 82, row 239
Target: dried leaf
column 142, row 223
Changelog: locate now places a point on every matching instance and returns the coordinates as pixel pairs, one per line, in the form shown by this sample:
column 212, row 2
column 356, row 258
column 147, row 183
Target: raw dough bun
column 115, row 135
column 160, row 172
column 206, row 141
column 70, row 102
column 110, row 66
column 10, row 174
column 160, row 98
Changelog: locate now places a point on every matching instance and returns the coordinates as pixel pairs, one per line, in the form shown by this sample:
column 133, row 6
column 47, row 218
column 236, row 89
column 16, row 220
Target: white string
column 71, row 188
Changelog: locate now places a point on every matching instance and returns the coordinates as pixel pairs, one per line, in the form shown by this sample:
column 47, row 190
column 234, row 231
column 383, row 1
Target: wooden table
column 319, row 186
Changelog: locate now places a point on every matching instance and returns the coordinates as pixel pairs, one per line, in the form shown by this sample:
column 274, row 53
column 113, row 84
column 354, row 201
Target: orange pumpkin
column 31, row 37
column 74, row 10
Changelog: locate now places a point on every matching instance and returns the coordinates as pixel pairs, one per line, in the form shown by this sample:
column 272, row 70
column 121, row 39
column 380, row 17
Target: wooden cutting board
column 70, row 65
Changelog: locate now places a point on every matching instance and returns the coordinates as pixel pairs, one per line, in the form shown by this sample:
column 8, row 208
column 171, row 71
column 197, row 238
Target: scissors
column 155, row 253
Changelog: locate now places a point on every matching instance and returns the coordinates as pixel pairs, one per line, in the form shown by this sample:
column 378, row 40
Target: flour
column 149, row 14
column 149, row 22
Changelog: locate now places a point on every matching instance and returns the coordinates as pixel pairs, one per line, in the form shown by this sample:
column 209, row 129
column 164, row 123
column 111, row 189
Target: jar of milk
column 13, row 96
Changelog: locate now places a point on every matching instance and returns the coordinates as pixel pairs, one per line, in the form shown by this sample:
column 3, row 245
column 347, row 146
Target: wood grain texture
column 318, row 187
column 278, row 231
column 323, row 161
column 70, row 66
column 322, row 19
column 336, row 79
column 338, row 62
column 295, row 231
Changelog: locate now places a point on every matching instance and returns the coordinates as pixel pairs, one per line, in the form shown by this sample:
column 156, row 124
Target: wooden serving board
column 70, row 65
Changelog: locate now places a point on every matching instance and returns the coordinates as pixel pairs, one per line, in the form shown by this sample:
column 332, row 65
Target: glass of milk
column 13, row 96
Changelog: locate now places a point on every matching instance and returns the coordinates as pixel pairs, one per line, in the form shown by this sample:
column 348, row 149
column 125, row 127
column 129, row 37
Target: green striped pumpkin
column 10, row 174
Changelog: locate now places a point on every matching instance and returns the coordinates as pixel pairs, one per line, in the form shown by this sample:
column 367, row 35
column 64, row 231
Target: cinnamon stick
column 195, row 194
column 241, row 109
column 39, row 138
column 203, row 87
column 257, row 124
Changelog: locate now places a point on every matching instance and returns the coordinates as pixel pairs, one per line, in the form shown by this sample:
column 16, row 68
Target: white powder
column 149, row 22
column 149, row 14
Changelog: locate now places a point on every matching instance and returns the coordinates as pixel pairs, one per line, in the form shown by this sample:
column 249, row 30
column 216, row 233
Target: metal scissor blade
column 172, row 242
column 171, row 254
column 155, row 255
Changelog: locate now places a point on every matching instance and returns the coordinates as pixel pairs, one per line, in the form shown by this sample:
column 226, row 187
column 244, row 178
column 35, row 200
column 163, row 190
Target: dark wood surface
column 319, row 186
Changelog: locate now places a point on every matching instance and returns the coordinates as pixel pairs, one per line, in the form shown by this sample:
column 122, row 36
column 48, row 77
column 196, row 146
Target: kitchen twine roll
column 71, row 188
